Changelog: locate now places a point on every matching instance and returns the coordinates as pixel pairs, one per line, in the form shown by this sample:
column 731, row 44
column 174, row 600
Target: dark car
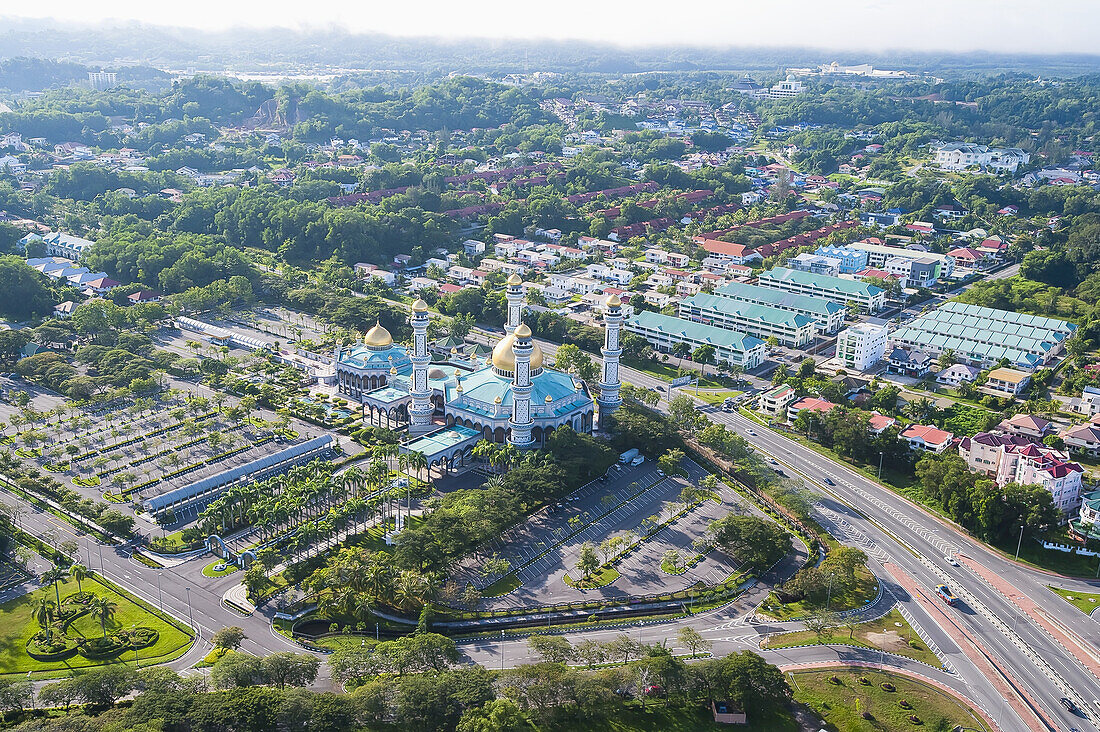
column 1069, row 705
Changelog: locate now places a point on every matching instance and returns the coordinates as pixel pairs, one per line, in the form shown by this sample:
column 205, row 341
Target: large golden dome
column 378, row 337
column 504, row 359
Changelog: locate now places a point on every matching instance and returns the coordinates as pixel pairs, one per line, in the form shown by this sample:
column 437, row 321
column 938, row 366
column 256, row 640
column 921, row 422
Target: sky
column 1003, row 26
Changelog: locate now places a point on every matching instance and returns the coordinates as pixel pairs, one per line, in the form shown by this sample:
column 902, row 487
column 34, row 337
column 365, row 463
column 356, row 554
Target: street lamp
column 190, row 613
column 880, row 464
column 502, row 649
column 1019, row 542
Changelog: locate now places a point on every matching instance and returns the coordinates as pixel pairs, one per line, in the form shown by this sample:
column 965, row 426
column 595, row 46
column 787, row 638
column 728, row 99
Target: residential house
column 775, row 401
column 65, row 309
column 1090, row 401
column 815, row 405
column 143, row 296
column 1005, row 382
column 908, row 362
column 926, row 437
column 1082, row 438
column 957, row 374
column 1027, row 425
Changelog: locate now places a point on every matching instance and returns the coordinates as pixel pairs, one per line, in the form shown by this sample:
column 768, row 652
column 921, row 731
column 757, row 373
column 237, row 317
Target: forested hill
column 179, row 48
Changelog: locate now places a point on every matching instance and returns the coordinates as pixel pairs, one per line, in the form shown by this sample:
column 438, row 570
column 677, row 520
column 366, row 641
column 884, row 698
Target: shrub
column 887, row 686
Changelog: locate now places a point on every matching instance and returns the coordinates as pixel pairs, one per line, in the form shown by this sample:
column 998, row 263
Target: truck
column 629, row 455
column 947, row 595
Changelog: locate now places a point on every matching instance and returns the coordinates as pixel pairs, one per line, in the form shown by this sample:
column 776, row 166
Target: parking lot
column 543, row 550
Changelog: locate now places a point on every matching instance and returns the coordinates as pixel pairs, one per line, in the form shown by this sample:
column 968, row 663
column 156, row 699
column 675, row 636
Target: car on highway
column 950, row 560
column 751, row 431
column 828, row 481
column 1068, row 704
column 947, row 595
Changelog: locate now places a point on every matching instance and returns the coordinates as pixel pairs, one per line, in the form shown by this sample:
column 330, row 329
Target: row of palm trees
column 311, row 502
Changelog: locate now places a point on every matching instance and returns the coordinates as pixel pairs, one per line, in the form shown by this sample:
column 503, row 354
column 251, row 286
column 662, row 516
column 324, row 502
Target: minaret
column 515, row 303
column 421, row 409
column 521, row 422
column 609, row 399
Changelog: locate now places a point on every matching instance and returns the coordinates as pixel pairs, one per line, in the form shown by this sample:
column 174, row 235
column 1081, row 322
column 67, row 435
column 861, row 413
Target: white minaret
column 421, row 409
column 609, row 399
column 521, row 422
column 515, row 303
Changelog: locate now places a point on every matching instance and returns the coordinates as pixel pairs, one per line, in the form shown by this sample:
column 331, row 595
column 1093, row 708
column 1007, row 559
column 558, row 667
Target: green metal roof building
column 983, row 336
column 761, row 321
column 839, row 290
column 828, row 315
column 663, row 332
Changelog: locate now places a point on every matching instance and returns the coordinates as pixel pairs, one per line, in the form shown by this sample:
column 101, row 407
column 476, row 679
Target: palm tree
column 53, row 575
column 78, row 572
column 43, row 614
column 102, row 609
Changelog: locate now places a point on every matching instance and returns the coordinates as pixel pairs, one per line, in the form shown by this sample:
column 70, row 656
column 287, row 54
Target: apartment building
column 866, row 296
column 663, row 332
column 962, row 155
column 761, row 321
column 879, row 254
column 827, row 315
column 815, row 264
column 851, row 260
column 861, row 346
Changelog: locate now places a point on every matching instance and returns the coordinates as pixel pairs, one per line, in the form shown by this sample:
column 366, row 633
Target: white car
column 950, row 560
column 751, row 432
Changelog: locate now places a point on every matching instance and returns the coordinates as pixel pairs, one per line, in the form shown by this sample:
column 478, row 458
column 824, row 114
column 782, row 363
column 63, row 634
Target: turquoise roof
column 364, row 357
column 825, row 282
column 439, row 442
column 481, row 388
column 750, row 311
column 779, row 298
column 974, row 332
column 698, row 332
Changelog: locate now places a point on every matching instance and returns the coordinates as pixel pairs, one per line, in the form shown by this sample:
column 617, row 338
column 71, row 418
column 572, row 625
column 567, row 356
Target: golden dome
column 498, row 400
column 522, row 331
column 454, row 350
column 393, row 370
column 614, row 302
column 420, row 306
column 504, row 358
column 378, row 337
column 514, row 279
column 549, row 399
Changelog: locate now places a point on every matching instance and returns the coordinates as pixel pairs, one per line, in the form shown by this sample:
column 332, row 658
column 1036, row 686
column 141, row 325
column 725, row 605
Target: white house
column 962, row 155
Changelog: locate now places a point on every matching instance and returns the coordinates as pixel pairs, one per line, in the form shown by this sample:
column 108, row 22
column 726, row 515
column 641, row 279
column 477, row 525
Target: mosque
column 512, row 397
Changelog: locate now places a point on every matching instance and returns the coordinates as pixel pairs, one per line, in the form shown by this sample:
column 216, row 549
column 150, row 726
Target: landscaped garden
column 72, row 625
column 853, row 699
column 890, row 633
column 1086, row 602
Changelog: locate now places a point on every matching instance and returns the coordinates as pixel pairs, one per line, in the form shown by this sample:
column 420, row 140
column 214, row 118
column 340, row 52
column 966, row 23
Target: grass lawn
column 718, row 397
column 17, row 627
column 866, row 635
column 669, row 372
column 605, row 576
column 172, row 544
column 1083, row 601
column 655, row 716
column 209, row 571
column 502, row 586
column 864, row 589
column 837, row 703
column 1033, row 553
